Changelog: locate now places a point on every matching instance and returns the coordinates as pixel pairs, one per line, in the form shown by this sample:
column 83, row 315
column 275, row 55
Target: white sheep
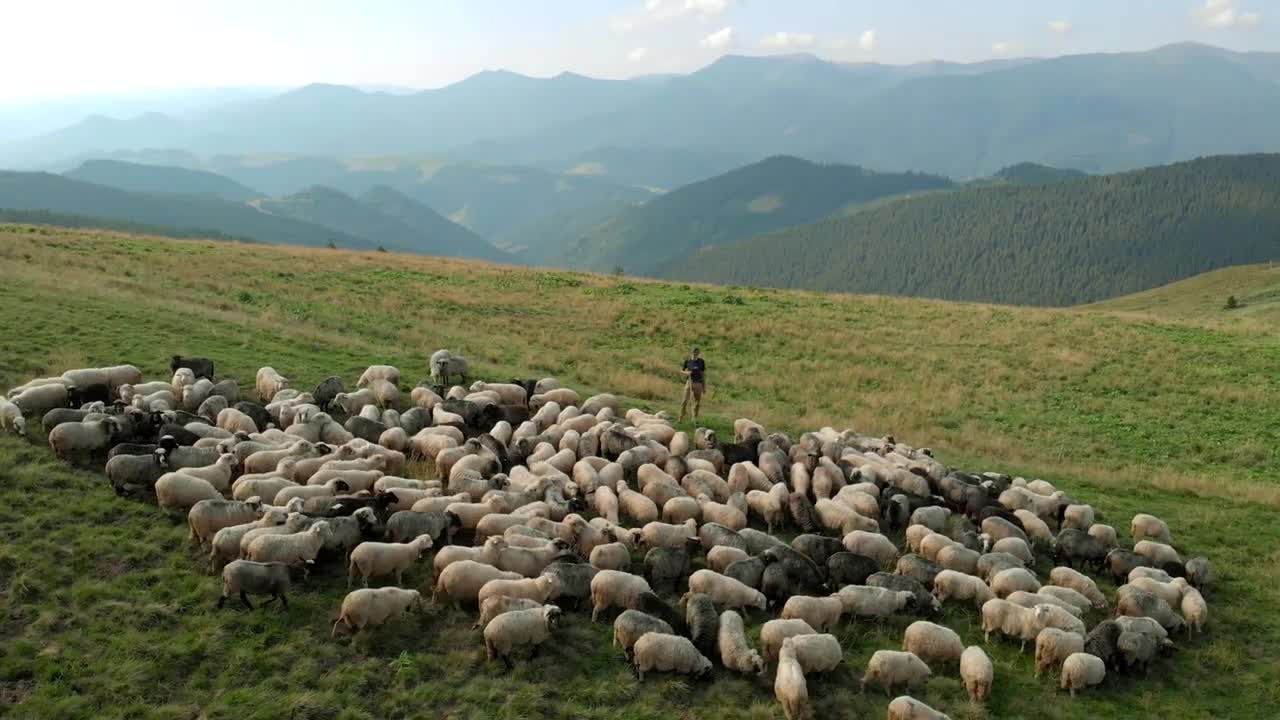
column 952, row 585
column 71, row 440
column 207, row 517
column 875, row 602
column 891, row 668
column 725, row 591
column 932, row 643
column 1010, row 620
column 774, row 632
column 959, row 558
column 932, row 517
column 372, row 607
column 540, row 589
column 841, row 518
column 1105, row 533
column 1030, row 600
column 225, row 545
column 519, row 628
column 268, row 383
column 1081, row 670
column 611, row 588
column 736, row 653
column 1171, row 592
column 1150, row 527
column 1157, row 553
column 461, row 581
column 978, row 674
column 1012, row 580
column 1079, row 517
column 11, row 419
column 789, row 685
column 369, row 559
column 218, row 474
column 634, row 505
column 1066, row 595
column 1016, row 547
column 176, row 491
column 668, row 653
column 872, row 545
column 722, row 556
column 817, row 653
column 496, row 605
column 611, row 556
column 1081, row 583
column 821, row 613
column 388, row 373
column 291, row 549
column 905, row 707
column 631, row 625
column 660, row 534
column 1053, row 646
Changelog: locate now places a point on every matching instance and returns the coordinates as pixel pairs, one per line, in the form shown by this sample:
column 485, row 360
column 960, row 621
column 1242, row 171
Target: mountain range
column 1097, row 112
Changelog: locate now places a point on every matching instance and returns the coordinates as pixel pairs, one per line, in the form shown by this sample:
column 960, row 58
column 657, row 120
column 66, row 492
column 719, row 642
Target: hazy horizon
column 152, row 47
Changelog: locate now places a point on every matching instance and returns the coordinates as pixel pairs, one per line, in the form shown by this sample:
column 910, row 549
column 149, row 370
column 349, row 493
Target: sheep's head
column 704, row 669
column 20, row 424
column 908, row 600
column 551, row 614
column 422, row 542
column 452, row 520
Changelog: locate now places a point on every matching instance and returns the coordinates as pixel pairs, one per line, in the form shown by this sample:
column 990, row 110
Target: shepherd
column 695, row 386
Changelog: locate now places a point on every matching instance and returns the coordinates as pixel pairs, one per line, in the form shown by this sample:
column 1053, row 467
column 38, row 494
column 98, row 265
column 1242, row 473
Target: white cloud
column 784, row 40
column 1226, row 15
column 638, row 54
column 1004, row 48
column 656, row 12
column 868, row 40
column 1061, row 27
column 718, row 40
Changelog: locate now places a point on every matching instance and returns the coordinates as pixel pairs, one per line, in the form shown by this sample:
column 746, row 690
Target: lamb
column 774, row 632
column 725, row 591
column 977, row 673
column 1081, row 670
column 905, row 707
column 611, row 588
column 366, row 607
column 735, row 653
column 225, row 545
column 664, row 652
column 11, row 419
column 890, row 669
column 821, row 613
column 1149, row 527
column 1081, row 583
column 244, row 577
column 462, row 580
column 1053, row 646
column 176, row 491
column 294, row 549
column 932, row 643
column 872, row 545
column 631, row 625
column 1012, row 580
column 375, row 558
column 519, row 628
column 875, row 602
column 789, row 684
column 952, row 585
column 73, row 440
column 269, row 383
column 207, row 517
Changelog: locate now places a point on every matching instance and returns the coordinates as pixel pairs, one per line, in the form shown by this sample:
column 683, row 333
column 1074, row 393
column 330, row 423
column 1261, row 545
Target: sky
column 64, row 48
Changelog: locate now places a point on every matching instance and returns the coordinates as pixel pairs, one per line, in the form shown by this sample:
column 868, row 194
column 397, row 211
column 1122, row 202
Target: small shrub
column 332, row 245
column 381, row 249
column 1232, row 303
column 618, row 271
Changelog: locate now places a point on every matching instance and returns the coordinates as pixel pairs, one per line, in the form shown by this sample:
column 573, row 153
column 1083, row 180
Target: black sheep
column 712, row 534
column 749, row 572
column 180, row 434
column 846, row 568
column 575, row 581
column 364, row 428
column 788, row 573
column 256, row 412
column 1077, row 545
column 57, row 416
column 666, row 566
column 703, row 621
column 647, row 602
column 325, row 392
column 817, row 547
column 245, row 576
column 919, row 569
column 81, row 396
column 926, row 603
column 1101, row 643
column 803, row 513
column 202, row 367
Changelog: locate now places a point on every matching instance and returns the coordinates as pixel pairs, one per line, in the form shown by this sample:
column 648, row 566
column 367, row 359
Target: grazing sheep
column 721, row 556
column 366, row 607
column 952, row 585
column 658, row 534
column 1101, row 640
column 803, row 513
column 918, row 569
column 1082, row 670
column 1137, row 603
column 387, row 373
column 1030, row 600
column 1054, row 646
column 611, row 588
column 890, row 669
column 736, row 653
column 631, row 625
column 269, row 383
column 872, row 545
column 1013, row 580
column 665, row 652
column 1120, row 562
column 702, row 621
column 821, row 613
column 519, row 628
column 244, row 577
column 1137, row 650
column 11, row 419
column 1157, row 553
column 725, row 591
column 1066, row 595
column 176, row 491
column 905, row 707
column 1201, row 574
column 817, row 653
column 665, row 566
column 978, row 674
column 1169, row 591
column 846, row 568
column 932, row 643
column 774, row 632
column 874, row 602
column 1010, row 620
column 634, row 505
column 789, row 684
column 1149, row 527
column 1081, row 583
column 375, row 558
column 72, row 440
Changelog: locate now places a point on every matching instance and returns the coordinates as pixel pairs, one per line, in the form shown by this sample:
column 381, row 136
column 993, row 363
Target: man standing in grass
column 694, row 369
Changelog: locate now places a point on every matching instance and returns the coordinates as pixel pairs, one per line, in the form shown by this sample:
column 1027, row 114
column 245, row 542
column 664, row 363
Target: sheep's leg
column 221, row 601
column 284, row 602
column 244, row 598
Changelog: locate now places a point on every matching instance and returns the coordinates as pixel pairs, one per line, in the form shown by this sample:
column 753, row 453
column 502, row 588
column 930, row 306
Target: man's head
column 695, row 352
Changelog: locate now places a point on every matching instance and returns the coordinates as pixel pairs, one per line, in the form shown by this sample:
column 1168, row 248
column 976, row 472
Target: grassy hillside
column 1256, row 289
column 136, row 177
column 104, row 611
column 773, row 193
column 1059, row 244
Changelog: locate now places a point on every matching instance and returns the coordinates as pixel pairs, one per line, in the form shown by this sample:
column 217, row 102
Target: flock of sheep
column 273, row 486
